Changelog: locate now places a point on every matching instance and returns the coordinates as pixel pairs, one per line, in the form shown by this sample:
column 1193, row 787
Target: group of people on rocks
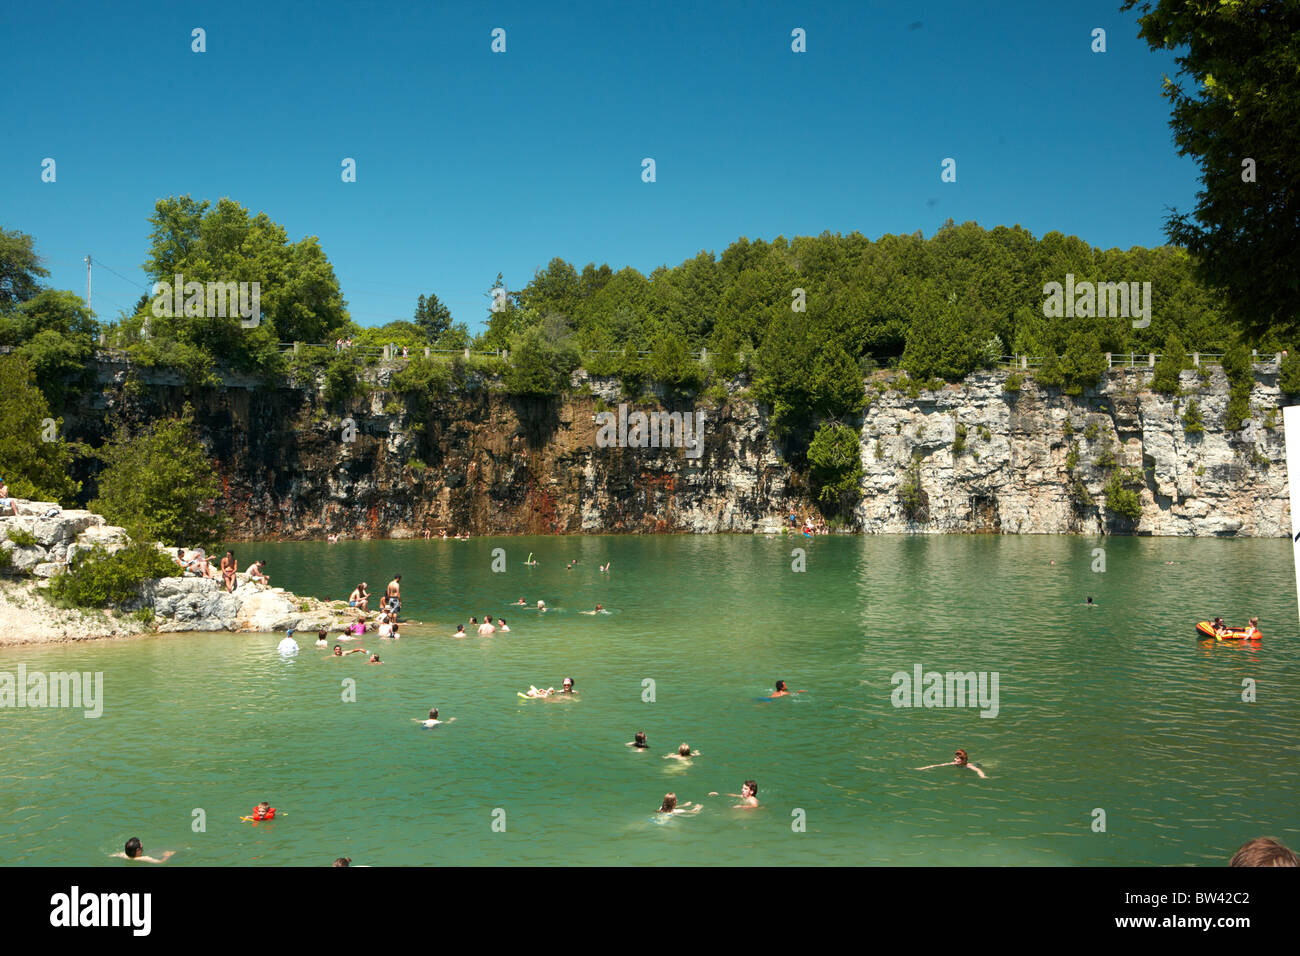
column 199, row 565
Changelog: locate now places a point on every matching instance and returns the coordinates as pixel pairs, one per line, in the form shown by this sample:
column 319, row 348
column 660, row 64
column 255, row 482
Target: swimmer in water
column 520, row 603
column 487, row 628
column 374, row 659
column 684, row 752
column 959, row 760
column 639, row 743
column 433, row 720
column 339, row 652
column 670, row 805
column 748, row 796
column 783, row 691
column 473, row 621
column 502, row 622
column 600, row 609
column 135, row 851
column 342, row 861
column 541, row 606
column 604, row 568
column 460, row 631
column 320, row 638
column 567, row 687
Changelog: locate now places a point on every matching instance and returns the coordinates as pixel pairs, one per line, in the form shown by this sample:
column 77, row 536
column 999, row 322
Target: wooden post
column 1196, row 360
column 1151, row 360
column 1024, row 361
column 1108, row 361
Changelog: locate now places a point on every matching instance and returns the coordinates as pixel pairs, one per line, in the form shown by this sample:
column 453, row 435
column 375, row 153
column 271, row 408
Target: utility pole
column 88, row 281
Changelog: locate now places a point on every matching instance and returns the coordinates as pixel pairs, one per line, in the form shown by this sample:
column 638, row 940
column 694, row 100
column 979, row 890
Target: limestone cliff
column 479, row 461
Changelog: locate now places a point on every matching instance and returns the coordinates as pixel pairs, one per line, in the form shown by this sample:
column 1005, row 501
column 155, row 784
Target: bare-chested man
column 393, row 594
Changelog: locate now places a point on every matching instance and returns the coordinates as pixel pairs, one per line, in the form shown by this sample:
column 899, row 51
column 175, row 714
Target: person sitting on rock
column 7, row 503
column 257, row 573
column 229, row 568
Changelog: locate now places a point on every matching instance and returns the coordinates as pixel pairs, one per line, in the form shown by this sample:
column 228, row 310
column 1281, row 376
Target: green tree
column 20, row 269
column 160, row 486
column 432, row 318
column 836, row 383
column 531, row 372
column 1235, row 98
column 1241, row 378
column 33, row 467
column 56, row 333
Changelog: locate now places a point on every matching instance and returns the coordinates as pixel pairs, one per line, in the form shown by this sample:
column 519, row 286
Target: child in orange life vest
column 264, row 811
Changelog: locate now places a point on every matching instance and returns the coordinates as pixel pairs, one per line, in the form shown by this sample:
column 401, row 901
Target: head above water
column 343, row 861
column 750, row 789
column 684, row 750
column 338, row 650
column 961, row 757
column 433, row 713
column 669, row 804
column 568, row 685
column 640, row 738
column 1264, row 851
column 780, row 685
column 133, row 847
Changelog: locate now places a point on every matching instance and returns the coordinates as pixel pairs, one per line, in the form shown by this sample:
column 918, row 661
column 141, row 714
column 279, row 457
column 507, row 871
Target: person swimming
column 342, row 861
column 639, row 742
column 783, row 691
column 959, row 760
column 748, row 796
column 487, row 628
column 339, row 652
column 541, row 606
column 567, row 687
column 599, row 609
column 520, row 603
column 460, row 631
column 1090, row 604
column 320, row 638
column 432, row 720
column 670, row 805
column 374, row 659
column 501, row 621
column 134, row 850
column 684, row 752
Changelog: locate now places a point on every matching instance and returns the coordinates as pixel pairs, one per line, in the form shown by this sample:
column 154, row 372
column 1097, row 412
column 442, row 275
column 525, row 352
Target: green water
column 1115, row 707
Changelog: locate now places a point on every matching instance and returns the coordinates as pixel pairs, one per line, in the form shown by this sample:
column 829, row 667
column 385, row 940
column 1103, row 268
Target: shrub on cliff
column 671, row 364
column 1169, row 365
column 911, row 495
column 96, row 578
column 1121, row 500
column 1193, row 423
column 34, row 459
column 835, row 463
column 538, row 368
column 159, row 485
column 1241, row 377
column 1289, row 380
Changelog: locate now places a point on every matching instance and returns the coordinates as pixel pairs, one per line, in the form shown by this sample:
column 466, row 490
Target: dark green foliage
column 160, row 486
column 1169, row 365
column 1289, row 379
column 33, row 467
column 341, row 379
column 1121, row 500
column 96, row 579
column 835, row 464
column 1014, row 383
column 959, row 439
column 672, row 365
column 1236, row 365
column 1235, row 97
column 1193, row 423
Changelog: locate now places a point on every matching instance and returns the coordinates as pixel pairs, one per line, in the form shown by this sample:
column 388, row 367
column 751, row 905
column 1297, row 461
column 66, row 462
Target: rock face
column 57, row 536
column 482, row 462
column 1024, row 452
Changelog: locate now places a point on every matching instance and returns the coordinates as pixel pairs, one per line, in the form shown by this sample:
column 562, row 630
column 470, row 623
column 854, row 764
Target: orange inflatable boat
column 1206, row 632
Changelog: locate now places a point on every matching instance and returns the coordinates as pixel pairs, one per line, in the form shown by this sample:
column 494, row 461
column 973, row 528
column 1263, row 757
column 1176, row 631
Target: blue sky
column 470, row 162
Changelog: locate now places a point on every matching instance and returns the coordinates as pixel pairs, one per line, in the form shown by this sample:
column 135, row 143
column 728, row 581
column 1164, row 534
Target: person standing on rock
column 7, row 503
column 229, row 567
column 394, row 594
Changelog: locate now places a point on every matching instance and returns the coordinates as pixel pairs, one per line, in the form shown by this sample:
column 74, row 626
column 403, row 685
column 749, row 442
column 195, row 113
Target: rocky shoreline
column 50, row 537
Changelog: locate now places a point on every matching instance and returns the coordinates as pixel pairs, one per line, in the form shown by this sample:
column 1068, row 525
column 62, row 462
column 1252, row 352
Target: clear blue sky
column 470, row 163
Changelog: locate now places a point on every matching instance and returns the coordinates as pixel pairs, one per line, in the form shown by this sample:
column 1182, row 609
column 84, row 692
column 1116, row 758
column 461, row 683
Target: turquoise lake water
column 1116, row 707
